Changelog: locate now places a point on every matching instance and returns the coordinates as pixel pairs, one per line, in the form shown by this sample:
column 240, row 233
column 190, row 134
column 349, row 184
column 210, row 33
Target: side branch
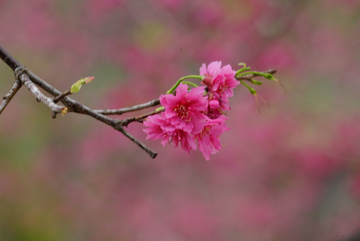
column 129, row 109
column 60, row 97
column 151, row 153
column 7, row 98
column 140, row 119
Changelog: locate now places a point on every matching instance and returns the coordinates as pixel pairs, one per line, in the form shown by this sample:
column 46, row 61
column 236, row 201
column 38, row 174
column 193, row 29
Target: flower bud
column 207, row 80
column 88, row 79
column 214, row 104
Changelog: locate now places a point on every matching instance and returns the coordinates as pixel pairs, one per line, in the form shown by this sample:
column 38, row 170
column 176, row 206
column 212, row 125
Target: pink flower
column 159, row 127
column 184, row 109
column 208, row 138
column 220, row 81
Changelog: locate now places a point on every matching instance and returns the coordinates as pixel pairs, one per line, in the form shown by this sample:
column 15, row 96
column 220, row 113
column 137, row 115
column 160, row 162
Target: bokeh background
column 291, row 172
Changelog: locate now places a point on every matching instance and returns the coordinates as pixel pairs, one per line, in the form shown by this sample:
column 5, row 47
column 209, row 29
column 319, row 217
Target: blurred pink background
column 291, row 172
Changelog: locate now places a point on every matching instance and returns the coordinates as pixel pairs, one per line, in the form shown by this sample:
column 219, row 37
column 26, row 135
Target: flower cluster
column 196, row 114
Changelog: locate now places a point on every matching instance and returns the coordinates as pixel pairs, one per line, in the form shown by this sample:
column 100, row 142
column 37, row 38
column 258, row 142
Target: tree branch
column 151, row 153
column 8, row 59
column 77, row 107
column 29, row 79
column 7, row 98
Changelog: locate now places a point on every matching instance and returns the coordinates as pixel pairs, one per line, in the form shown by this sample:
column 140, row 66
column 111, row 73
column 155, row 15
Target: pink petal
column 214, row 104
column 203, row 70
column 181, row 91
column 214, row 67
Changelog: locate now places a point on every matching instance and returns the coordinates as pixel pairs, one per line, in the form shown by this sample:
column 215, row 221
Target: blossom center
column 221, row 89
column 204, row 132
column 183, row 112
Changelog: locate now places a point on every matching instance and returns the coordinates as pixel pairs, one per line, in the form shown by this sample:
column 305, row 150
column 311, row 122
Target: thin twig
column 151, row 153
column 129, row 109
column 7, row 98
column 140, row 118
column 61, row 96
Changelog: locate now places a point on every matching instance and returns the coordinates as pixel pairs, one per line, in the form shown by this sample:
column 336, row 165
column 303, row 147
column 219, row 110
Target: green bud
column 160, row 108
column 252, row 91
column 76, row 87
column 87, row 80
column 256, row 82
column 269, row 76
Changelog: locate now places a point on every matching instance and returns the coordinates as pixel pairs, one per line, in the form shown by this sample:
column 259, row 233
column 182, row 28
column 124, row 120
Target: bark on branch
column 29, row 79
column 7, row 98
column 77, row 107
column 22, row 75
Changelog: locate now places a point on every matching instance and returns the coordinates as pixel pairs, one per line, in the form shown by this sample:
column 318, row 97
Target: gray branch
column 77, row 107
column 29, row 79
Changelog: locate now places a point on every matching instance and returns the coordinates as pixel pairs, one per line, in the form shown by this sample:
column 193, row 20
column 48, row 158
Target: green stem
column 190, row 83
column 241, row 70
column 160, row 108
column 255, row 73
column 252, row 91
column 255, row 82
column 170, row 91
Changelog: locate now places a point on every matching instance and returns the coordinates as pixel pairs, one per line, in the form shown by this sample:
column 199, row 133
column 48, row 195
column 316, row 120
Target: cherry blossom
column 184, row 109
column 161, row 128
